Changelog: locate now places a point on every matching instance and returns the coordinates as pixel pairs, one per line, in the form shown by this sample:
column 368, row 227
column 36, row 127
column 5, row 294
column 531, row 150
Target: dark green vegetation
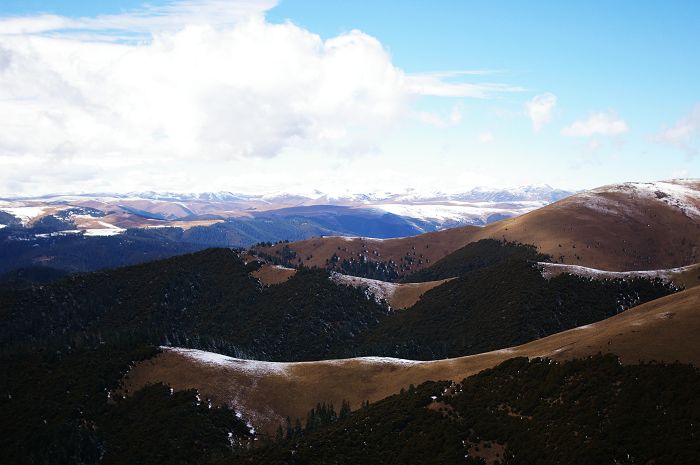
column 27, row 277
column 501, row 306
column 591, row 411
column 62, row 407
column 205, row 300
column 383, row 271
column 65, row 344
column 474, row 256
column 19, row 248
column 521, row 412
column 208, row 300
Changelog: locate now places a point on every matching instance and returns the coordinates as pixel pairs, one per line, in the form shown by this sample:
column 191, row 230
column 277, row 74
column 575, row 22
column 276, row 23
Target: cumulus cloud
column 685, row 133
column 602, row 123
column 540, row 109
column 195, row 80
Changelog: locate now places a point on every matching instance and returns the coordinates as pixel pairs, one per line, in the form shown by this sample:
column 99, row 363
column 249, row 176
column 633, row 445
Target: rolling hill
column 632, row 226
column 267, row 392
column 214, row 300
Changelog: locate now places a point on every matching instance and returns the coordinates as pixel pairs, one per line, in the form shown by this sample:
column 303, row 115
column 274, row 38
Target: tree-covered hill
column 203, row 300
column 535, row 412
column 208, row 300
column 499, row 306
column 64, row 407
column 474, row 256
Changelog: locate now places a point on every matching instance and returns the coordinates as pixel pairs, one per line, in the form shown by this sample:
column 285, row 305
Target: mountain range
column 561, row 335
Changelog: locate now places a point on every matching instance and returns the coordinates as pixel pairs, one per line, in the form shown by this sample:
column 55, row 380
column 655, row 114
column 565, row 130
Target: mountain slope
column 662, row 330
column 632, row 226
column 212, row 300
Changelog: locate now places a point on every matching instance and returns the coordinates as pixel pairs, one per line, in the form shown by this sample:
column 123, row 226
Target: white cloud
column 439, row 85
column 540, row 108
column 685, row 133
column 486, row 137
column 140, row 22
column 602, row 123
column 137, row 94
column 453, row 118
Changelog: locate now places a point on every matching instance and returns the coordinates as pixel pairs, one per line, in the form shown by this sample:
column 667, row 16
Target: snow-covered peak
column 681, row 194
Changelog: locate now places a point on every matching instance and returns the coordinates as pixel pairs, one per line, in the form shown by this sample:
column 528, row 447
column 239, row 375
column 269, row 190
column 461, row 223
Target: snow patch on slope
column 374, row 361
column 550, row 270
column 379, row 290
column 458, row 213
column 25, row 214
column 107, row 230
column 252, row 367
column 680, row 194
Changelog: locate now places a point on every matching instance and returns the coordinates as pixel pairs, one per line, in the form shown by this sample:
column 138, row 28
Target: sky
column 364, row 96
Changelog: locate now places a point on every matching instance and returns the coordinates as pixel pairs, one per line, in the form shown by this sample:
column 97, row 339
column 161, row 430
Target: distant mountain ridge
column 477, row 194
column 46, row 230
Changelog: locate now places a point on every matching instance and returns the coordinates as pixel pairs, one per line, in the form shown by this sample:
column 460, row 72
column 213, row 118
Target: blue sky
column 622, row 80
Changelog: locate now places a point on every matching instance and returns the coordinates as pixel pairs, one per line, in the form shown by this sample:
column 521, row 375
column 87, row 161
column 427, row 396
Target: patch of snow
column 25, row 214
column 680, row 194
column 103, row 232
column 362, row 238
column 549, row 270
column 459, row 212
column 253, row 367
column 108, row 230
column 59, row 233
column 280, row 267
column 374, row 361
column 380, row 290
column 507, row 350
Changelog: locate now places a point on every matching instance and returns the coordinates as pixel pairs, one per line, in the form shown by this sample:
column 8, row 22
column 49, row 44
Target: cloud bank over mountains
column 192, row 81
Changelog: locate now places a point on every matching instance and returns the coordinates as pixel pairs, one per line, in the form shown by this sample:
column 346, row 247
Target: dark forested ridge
column 63, row 407
column 474, row 256
column 65, row 346
column 499, row 306
column 20, row 248
column 208, row 300
column 203, row 300
column 522, row 412
column 538, row 412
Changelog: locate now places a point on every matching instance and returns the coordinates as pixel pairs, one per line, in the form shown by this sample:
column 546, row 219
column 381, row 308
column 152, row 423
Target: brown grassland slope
column 664, row 330
column 633, row 226
column 270, row 275
column 428, row 247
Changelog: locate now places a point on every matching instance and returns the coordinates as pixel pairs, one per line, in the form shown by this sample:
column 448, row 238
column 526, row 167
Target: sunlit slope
column 632, row 226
